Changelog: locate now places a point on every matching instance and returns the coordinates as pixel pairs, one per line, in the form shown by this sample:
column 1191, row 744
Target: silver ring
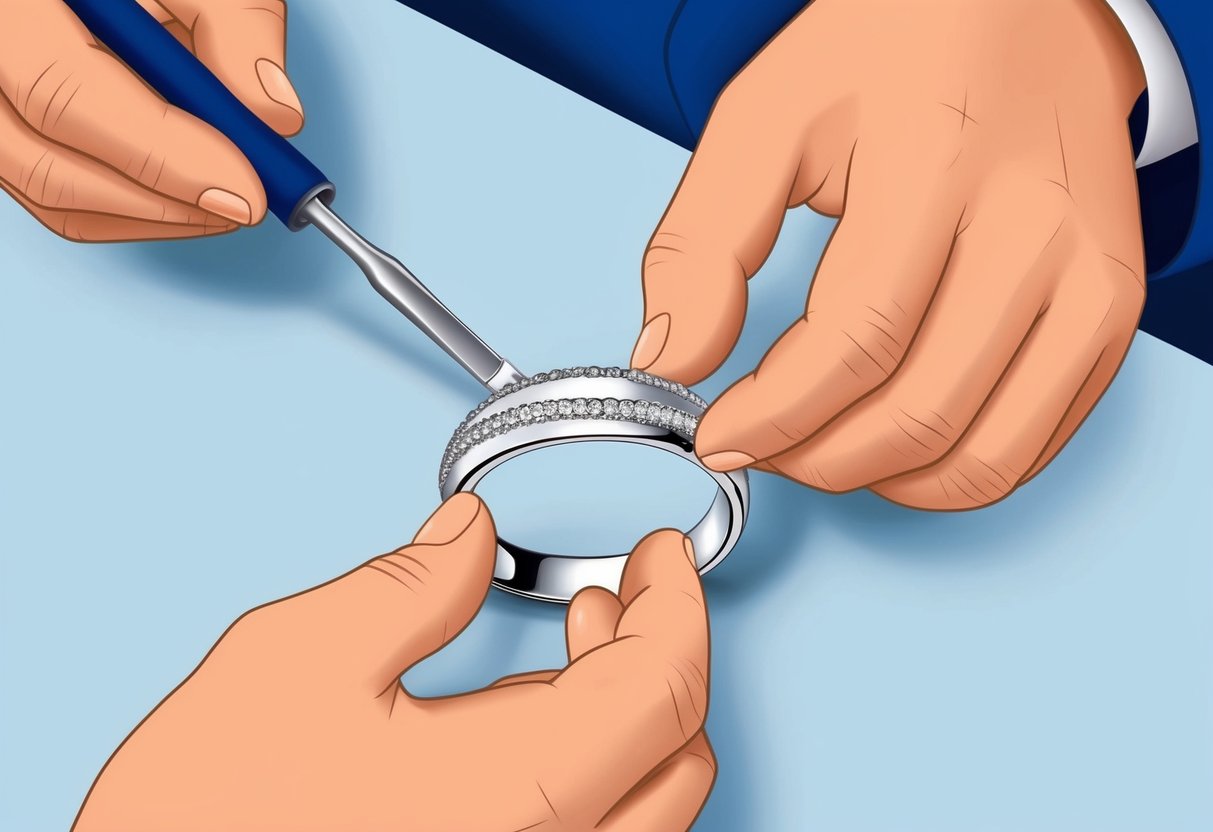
column 588, row 404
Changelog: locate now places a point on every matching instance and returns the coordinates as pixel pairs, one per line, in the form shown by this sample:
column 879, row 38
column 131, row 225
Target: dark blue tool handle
column 137, row 38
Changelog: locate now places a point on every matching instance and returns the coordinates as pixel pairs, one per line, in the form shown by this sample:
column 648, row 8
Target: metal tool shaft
column 403, row 290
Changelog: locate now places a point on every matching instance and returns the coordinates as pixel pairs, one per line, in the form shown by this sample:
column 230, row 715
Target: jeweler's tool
column 296, row 190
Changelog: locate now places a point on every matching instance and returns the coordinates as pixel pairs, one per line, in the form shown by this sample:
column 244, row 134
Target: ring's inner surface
column 594, row 498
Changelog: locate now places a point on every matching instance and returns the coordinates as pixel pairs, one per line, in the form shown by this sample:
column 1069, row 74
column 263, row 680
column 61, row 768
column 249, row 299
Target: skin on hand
column 95, row 155
column 297, row 719
column 987, row 273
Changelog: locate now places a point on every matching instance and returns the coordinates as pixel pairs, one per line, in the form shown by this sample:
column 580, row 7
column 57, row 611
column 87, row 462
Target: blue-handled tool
column 297, row 192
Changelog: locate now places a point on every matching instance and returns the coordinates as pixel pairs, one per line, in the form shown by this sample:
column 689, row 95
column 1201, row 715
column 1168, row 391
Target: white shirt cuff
column 1171, row 124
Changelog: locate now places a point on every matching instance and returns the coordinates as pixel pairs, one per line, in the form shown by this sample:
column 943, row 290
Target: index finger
column 628, row 705
column 244, row 43
column 875, row 282
column 719, row 228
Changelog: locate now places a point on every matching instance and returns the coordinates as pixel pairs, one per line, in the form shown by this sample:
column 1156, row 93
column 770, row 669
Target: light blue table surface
column 190, row 429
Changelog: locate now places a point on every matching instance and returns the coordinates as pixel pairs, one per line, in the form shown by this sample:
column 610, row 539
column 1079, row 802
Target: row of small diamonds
column 651, row 413
column 592, row 372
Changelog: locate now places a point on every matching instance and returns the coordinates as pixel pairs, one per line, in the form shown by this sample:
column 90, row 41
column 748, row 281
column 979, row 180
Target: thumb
column 395, row 610
column 717, row 232
column 244, row 43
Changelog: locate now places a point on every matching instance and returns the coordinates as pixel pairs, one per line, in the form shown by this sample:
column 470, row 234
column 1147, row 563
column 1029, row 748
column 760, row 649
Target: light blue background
column 190, row 429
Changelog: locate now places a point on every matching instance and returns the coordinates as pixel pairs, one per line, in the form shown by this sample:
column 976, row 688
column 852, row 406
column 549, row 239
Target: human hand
column 95, row 155
column 297, row 719
column 987, row 274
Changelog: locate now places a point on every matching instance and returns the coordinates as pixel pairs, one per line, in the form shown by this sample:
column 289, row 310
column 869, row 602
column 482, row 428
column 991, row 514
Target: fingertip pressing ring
column 651, row 342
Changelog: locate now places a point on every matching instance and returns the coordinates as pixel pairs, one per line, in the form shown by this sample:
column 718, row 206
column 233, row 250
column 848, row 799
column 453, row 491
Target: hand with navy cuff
column 987, row 272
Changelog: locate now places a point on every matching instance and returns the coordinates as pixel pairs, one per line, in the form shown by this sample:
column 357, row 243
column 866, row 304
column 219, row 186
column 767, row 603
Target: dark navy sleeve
column 658, row 63
column 1176, row 196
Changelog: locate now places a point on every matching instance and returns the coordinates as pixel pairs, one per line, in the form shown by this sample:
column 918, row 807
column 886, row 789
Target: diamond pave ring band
column 587, row 404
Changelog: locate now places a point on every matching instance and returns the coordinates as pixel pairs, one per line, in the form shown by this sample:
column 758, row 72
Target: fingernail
column 450, row 521
column 226, row 204
column 690, row 550
column 277, row 86
column 727, row 460
column 651, row 341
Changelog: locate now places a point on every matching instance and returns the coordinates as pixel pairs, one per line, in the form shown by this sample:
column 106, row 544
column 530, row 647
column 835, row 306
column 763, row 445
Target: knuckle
column 1124, row 279
column 973, row 480
column 888, row 326
column 404, row 569
column 788, row 426
column 920, row 433
column 806, row 470
column 665, row 249
column 46, row 181
column 868, row 360
column 871, row 341
column 48, row 90
column 689, row 253
column 1113, row 294
column 75, row 235
column 146, row 165
column 688, row 695
column 68, row 227
column 669, row 240
column 997, row 477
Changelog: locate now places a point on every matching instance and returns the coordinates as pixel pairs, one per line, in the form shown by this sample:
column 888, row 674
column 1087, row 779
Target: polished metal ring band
column 588, row 404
